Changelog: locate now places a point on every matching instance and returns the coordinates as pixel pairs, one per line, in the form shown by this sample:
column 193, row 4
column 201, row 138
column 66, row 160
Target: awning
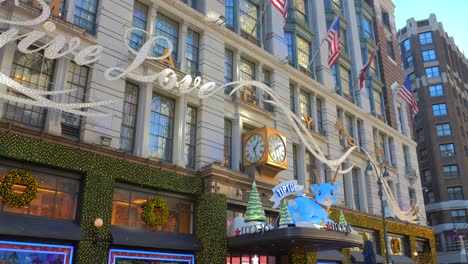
column 357, row 257
column 333, row 255
column 22, row 225
column 401, row 260
column 153, row 239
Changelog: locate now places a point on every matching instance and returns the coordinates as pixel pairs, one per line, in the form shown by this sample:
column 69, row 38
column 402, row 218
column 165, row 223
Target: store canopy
column 143, row 238
column 21, row 225
column 401, row 260
column 279, row 241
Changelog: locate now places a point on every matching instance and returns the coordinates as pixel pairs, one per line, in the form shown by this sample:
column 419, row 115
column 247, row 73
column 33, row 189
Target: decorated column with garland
column 255, row 210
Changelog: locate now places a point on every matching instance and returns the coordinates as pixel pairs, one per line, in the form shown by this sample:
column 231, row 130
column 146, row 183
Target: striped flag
column 334, row 44
column 406, row 93
column 362, row 73
column 282, row 6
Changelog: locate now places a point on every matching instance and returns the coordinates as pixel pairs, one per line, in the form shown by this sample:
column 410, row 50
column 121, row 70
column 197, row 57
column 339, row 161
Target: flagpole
column 320, row 45
column 357, row 81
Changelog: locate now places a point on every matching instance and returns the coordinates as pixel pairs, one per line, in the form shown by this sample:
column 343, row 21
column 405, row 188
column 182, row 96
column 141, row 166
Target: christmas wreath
column 395, row 245
column 21, row 177
column 148, row 212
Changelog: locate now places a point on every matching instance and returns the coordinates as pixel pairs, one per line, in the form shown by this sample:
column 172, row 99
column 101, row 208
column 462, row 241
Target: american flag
column 406, row 93
column 334, row 44
column 282, row 6
column 362, row 73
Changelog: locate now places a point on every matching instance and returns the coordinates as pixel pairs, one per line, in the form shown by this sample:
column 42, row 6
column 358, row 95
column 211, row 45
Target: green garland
column 148, row 212
column 22, row 177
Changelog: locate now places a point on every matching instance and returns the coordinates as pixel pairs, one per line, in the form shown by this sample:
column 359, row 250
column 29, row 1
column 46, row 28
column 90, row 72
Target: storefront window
column 56, row 197
column 397, row 245
column 119, row 256
column 128, row 205
column 250, row 259
column 17, row 252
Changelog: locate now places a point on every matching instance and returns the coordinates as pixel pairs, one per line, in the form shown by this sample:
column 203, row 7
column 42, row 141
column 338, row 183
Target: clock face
column 277, row 148
column 254, row 148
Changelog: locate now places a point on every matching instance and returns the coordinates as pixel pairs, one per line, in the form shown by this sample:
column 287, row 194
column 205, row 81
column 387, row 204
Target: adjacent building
column 439, row 76
column 99, row 179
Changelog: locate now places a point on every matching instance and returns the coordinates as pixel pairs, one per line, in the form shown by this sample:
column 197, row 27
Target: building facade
column 99, row 178
column 438, row 72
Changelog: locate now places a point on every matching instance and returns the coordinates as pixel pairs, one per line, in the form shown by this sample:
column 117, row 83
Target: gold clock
column 265, row 148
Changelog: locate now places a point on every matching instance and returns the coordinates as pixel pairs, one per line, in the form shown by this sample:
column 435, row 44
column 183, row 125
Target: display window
column 20, row 252
column 118, row 256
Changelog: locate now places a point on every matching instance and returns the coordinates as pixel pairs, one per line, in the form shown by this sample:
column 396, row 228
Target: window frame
column 136, row 94
column 192, row 49
column 439, row 109
column 443, row 129
column 436, row 90
column 170, row 122
column 425, row 38
column 82, row 21
column 447, row 150
column 191, row 139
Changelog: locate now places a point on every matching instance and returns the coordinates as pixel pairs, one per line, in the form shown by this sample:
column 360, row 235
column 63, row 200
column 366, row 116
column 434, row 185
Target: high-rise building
column 164, row 173
column 439, row 77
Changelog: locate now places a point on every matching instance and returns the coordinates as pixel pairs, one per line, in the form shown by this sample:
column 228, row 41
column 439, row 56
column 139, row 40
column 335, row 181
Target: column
column 323, row 72
column 363, row 190
column 178, row 144
column 259, row 77
column 143, row 120
column 394, row 89
column 297, row 93
column 236, row 142
column 181, row 46
column 348, row 181
column 54, row 117
column 70, row 7
column 387, row 150
column 404, row 119
column 274, row 33
column 355, row 131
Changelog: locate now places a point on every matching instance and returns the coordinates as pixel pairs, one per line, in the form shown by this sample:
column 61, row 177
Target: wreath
column 395, row 245
column 21, row 177
column 148, row 212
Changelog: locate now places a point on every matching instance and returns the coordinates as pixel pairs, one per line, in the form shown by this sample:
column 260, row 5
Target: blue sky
column 452, row 14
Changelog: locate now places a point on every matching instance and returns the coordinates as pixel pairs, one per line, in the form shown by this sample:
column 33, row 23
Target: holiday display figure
column 342, row 219
column 285, row 217
column 255, row 210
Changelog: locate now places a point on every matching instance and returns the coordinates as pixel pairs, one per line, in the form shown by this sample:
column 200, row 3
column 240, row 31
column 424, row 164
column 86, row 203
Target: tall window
column 57, row 196
column 266, row 96
column 36, row 72
column 436, row 90
column 450, row 171
column 346, row 85
column 303, row 52
column 412, row 196
column 161, row 128
column 247, row 73
column 430, row 197
column 391, row 52
column 310, row 168
column 140, row 18
column 305, row 108
column 443, row 129
column 295, row 158
column 227, row 143
column 166, row 27
column 368, row 30
column 300, row 9
column 420, row 136
column 129, row 114
column 349, row 125
column 248, row 17
column 288, row 36
column 85, row 15
column 432, row 72
column 191, row 53
column 127, row 210
column 292, row 98
column 425, row 38
column 428, row 55
column 228, row 69
column 439, row 109
column 335, row 75
column 344, row 40
column 78, row 80
column 378, row 106
column 356, row 192
column 229, row 5
column 406, row 45
column 386, row 19
column 423, row 154
column 319, row 117
column 409, row 61
column 447, row 150
column 455, row 193
column 191, row 136
column 426, row 176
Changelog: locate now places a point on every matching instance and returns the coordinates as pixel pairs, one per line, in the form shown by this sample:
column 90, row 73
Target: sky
column 452, row 14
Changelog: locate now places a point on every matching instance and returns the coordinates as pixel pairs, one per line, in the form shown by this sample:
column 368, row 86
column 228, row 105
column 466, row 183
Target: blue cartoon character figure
column 314, row 212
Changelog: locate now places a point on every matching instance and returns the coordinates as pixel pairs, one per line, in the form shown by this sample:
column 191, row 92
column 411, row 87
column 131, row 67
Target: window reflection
column 161, row 128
